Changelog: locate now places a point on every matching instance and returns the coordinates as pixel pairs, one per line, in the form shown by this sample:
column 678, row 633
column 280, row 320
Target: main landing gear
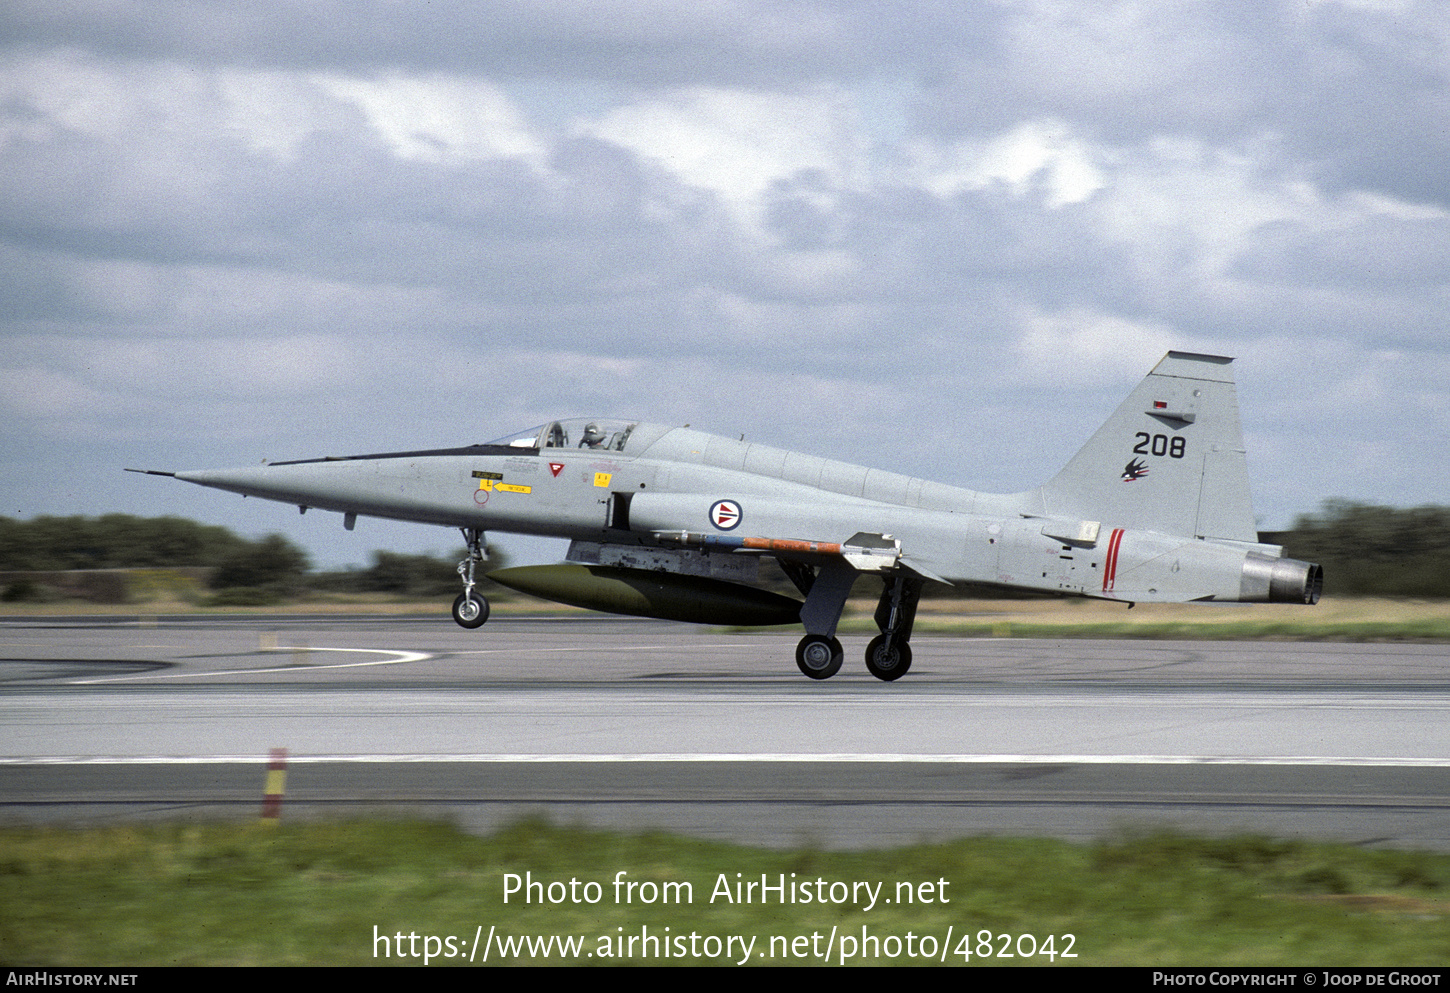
column 888, row 657
column 470, row 610
column 819, row 656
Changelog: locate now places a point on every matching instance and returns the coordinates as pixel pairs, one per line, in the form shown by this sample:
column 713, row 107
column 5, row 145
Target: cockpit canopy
column 601, row 434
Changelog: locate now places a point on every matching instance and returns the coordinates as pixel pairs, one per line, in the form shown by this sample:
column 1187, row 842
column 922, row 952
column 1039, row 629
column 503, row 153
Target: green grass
column 1247, row 629
column 314, row 894
column 1362, row 619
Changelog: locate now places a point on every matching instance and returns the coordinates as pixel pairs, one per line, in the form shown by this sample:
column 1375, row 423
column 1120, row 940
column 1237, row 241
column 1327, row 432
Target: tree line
column 238, row 569
column 1370, row 550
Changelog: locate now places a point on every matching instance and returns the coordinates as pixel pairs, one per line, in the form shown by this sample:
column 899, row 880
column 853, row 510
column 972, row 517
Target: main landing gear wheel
column 818, row 656
column 470, row 610
column 888, row 658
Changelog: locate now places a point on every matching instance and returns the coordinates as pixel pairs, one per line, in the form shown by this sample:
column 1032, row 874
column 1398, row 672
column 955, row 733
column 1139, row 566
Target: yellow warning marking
column 602, row 478
column 512, row 488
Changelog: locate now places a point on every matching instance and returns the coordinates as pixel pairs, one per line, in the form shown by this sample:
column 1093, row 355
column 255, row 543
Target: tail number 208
column 1159, row 444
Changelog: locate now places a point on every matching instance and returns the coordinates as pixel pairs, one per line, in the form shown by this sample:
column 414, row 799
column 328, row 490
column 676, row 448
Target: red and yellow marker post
column 276, row 786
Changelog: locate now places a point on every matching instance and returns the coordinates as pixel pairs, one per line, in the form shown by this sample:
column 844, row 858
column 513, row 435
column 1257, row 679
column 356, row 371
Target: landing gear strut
column 470, row 610
column 819, row 653
column 888, row 656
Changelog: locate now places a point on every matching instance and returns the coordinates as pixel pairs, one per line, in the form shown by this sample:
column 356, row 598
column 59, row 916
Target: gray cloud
column 934, row 238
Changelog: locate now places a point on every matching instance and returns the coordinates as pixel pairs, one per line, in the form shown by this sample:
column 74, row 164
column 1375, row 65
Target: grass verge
column 1337, row 619
column 327, row 893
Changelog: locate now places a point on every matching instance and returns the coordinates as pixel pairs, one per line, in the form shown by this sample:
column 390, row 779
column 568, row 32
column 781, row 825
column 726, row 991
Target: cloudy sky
column 938, row 238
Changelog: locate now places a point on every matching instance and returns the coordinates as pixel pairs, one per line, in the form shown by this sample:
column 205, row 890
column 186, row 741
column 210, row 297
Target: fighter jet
column 673, row 523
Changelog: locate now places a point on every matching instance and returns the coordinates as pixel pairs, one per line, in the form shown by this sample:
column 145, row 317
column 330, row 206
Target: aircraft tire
column 470, row 611
column 888, row 659
column 819, row 657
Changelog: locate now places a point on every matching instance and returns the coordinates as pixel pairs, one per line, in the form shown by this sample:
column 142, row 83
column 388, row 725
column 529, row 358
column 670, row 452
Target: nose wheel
column 818, row 656
column 470, row 610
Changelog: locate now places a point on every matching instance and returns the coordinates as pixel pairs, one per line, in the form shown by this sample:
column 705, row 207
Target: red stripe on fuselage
column 1110, row 568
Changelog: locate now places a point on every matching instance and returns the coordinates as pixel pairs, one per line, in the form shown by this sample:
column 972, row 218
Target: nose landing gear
column 470, row 610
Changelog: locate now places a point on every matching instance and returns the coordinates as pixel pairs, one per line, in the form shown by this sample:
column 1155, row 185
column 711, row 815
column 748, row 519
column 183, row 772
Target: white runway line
column 398, row 659
column 746, row 757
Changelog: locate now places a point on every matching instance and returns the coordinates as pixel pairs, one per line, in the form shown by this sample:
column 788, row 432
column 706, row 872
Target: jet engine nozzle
column 1271, row 580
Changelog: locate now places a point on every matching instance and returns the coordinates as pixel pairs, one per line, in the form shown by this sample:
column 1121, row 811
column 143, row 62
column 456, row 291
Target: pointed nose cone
column 254, row 481
column 375, row 488
column 434, row 486
column 303, row 485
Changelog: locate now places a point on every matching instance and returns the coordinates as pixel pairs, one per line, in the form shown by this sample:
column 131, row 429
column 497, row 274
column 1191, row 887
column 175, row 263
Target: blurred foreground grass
column 322, row 893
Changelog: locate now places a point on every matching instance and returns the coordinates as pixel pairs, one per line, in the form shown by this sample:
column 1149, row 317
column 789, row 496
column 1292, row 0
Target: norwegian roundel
column 725, row 514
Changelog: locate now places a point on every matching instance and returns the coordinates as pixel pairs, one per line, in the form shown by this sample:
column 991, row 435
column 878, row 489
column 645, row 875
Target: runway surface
column 648, row 724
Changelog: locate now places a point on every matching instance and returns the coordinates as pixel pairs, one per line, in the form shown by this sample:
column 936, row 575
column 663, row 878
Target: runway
column 643, row 724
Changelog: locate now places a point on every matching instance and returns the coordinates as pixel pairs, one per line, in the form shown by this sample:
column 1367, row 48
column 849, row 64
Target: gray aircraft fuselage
column 670, row 522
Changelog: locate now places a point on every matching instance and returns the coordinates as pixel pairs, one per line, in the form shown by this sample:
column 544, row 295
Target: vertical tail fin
column 1170, row 459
